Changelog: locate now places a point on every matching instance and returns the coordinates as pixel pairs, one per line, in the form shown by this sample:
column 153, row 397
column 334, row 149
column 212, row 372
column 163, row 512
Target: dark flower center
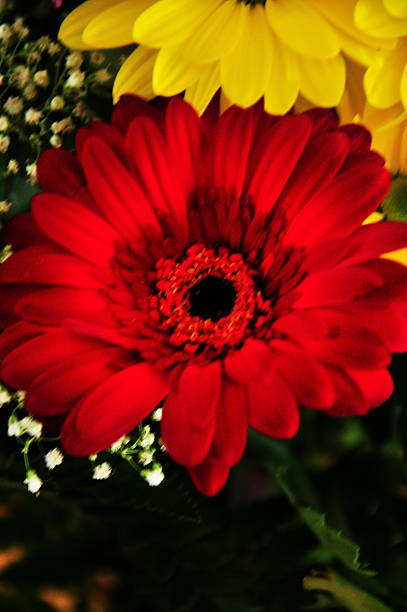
column 212, row 298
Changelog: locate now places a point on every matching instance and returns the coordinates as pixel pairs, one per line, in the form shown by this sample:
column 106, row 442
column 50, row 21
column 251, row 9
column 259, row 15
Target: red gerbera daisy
column 217, row 265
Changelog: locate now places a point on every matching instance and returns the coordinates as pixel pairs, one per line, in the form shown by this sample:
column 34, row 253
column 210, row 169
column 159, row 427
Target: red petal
column 52, row 306
column 359, row 137
column 252, row 361
column 112, row 410
column 104, row 132
column 323, row 119
column 117, row 193
column 128, row 108
column 342, row 206
column 272, row 407
column 336, row 286
column 318, row 165
column 21, row 231
column 232, row 142
column 349, row 400
column 75, row 228
column 376, row 385
column 17, row 334
column 10, row 295
column 287, row 139
column 56, row 390
column 210, row 476
column 307, row 379
column 44, row 265
column 30, row 359
column 59, row 171
column 188, row 422
column 230, row 436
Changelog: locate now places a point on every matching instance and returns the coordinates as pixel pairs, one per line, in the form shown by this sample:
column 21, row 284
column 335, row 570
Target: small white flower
column 20, row 395
column 41, row 78
column 31, row 170
column 13, row 105
column 4, row 143
column 119, row 444
column 18, row 24
column 14, row 427
column 157, row 414
column 13, row 166
column 62, row 127
column 53, row 458
column 54, row 48
column 33, row 481
column 74, row 60
column 97, row 58
column 75, row 79
column 30, row 92
column 33, row 57
column 31, row 426
column 32, row 115
column 4, row 207
column 4, row 123
column 57, row 103
column 56, row 141
column 146, row 456
column 44, row 42
column 102, row 471
column 80, row 111
column 155, row 476
column 102, row 75
column 5, row 32
column 21, row 76
column 5, row 396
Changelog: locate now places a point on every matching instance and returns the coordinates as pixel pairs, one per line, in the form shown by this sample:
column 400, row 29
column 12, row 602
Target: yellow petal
column 72, row 27
column 403, row 152
column 339, row 13
column 245, row 71
column 302, row 29
column 371, row 17
column 353, row 100
column 201, row 93
column 136, row 74
column 397, row 8
column 357, row 50
column 386, row 134
column 382, row 81
column 284, row 82
column 403, row 85
column 375, row 217
column 400, row 256
column 322, row 81
column 170, row 22
column 114, row 26
column 217, row 35
column 172, row 74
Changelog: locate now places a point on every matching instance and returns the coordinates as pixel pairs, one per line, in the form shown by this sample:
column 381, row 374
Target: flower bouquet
column 203, row 305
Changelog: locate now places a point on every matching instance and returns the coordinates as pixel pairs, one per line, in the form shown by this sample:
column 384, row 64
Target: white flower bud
column 53, row 458
column 41, row 78
column 32, row 116
column 75, row 79
column 56, row 141
column 57, row 103
column 155, row 476
column 74, row 60
column 4, row 143
column 33, row 481
column 4, row 123
column 13, row 105
column 102, row 471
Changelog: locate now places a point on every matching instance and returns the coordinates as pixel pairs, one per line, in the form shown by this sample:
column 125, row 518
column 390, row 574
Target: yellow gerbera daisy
column 249, row 48
column 385, row 80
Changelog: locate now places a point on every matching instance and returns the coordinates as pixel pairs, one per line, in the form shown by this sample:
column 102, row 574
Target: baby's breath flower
column 31, row 170
column 2, row 79
column 13, row 105
column 20, row 395
column 102, row 471
column 53, row 458
column 97, row 58
column 31, row 426
column 21, row 76
column 14, row 427
column 146, row 437
column 5, row 396
column 154, row 476
column 4, row 123
column 56, row 141
column 4, row 143
column 5, row 32
column 74, row 60
column 44, row 42
column 4, row 207
column 54, row 48
column 30, row 92
column 57, row 103
column 41, row 78
column 119, row 443
column 18, row 24
column 146, row 456
column 32, row 115
column 157, row 414
column 62, row 127
column 75, row 79
column 102, row 75
column 33, row 481
column 33, row 57
column 13, row 166
column 80, row 111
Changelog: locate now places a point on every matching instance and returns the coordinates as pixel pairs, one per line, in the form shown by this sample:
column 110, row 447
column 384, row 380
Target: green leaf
column 346, row 594
column 395, row 204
